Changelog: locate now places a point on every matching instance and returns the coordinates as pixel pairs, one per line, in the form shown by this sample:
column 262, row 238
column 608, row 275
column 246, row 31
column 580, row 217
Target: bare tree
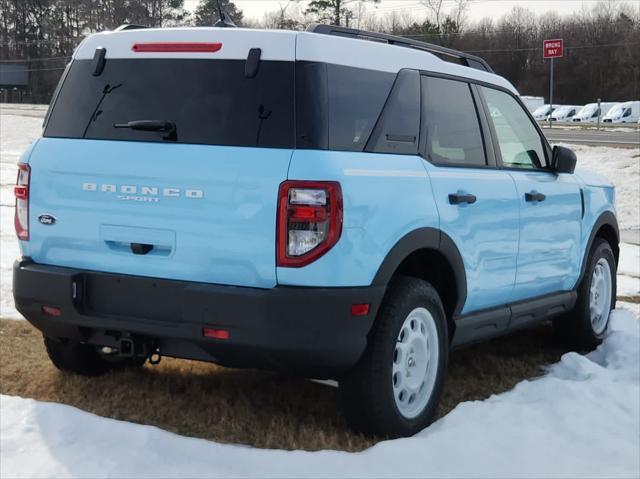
column 435, row 8
column 459, row 13
column 287, row 17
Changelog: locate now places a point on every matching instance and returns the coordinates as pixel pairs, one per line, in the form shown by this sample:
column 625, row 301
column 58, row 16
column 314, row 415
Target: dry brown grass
column 629, row 299
column 249, row 407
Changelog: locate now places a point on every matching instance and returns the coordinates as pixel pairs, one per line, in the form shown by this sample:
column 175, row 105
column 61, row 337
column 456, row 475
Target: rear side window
column 398, row 127
column 338, row 106
column 209, row 101
column 450, row 123
column 356, row 98
column 520, row 143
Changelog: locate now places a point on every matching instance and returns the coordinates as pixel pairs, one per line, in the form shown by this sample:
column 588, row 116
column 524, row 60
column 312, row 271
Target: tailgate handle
column 141, row 248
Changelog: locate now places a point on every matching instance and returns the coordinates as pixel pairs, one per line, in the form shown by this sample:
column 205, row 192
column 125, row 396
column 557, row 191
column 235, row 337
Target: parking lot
column 616, row 136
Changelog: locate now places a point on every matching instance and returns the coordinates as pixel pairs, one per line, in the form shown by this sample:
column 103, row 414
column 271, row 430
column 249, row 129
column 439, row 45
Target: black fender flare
column 606, row 218
column 425, row 238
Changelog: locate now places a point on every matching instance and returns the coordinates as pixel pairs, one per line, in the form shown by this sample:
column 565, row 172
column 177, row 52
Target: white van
column 565, row 113
column 628, row 112
column 543, row 112
column 590, row 112
column 532, row 102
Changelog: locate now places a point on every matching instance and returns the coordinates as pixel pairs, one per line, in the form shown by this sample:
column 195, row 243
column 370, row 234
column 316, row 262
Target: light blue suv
column 335, row 203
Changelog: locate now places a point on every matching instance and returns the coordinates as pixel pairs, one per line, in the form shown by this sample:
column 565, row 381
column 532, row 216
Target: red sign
column 553, row 48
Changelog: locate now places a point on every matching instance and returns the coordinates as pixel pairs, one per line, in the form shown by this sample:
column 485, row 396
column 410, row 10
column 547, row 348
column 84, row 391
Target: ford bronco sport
column 334, row 203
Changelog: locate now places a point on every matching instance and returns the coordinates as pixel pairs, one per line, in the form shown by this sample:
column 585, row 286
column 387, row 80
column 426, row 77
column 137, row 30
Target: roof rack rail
column 129, row 26
column 464, row 58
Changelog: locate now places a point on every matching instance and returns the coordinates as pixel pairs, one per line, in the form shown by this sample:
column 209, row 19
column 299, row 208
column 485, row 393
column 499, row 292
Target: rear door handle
column 457, row 199
column 534, row 196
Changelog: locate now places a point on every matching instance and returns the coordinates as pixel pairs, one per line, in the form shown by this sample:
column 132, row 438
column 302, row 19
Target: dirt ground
column 260, row 409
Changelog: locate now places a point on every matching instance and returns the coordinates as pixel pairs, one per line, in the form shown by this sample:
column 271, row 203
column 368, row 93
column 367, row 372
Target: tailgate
column 163, row 153
column 208, row 212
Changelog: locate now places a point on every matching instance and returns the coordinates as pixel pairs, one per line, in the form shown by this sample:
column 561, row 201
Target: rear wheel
column 395, row 388
column 585, row 326
column 85, row 359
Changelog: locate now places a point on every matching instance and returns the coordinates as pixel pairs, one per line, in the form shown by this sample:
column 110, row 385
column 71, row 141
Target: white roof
column 625, row 104
column 282, row 45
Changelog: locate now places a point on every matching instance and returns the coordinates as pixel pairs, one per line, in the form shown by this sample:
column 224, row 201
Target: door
column 550, row 203
column 477, row 203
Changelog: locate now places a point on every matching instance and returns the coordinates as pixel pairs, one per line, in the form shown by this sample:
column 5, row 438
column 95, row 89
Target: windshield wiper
column 165, row 126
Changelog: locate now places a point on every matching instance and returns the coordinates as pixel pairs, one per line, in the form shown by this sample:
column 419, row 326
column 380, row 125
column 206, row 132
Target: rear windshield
column 208, row 101
column 303, row 105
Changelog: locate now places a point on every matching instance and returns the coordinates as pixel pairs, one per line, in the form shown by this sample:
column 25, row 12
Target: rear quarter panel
column 385, row 196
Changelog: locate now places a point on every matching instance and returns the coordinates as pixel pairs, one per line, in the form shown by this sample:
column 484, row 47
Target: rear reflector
column 179, row 47
column 51, row 311
column 359, row 309
column 21, row 192
column 215, row 333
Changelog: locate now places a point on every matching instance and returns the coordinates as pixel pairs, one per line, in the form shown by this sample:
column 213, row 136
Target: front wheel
column 394, row 389
column 585, row 326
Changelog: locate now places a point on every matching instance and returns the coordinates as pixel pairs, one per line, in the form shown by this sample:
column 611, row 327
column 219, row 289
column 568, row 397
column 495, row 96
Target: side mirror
column 564, row 160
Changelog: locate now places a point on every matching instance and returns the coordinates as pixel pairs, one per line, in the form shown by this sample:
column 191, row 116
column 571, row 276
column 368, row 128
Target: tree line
column 601, row 60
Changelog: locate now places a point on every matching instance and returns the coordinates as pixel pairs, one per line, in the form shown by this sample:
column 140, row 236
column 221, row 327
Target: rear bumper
column 305, row 330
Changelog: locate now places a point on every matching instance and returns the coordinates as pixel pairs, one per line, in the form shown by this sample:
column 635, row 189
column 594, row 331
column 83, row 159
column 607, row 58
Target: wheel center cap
column 411, row 362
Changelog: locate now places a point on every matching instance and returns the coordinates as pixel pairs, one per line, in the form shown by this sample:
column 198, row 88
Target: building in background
column 14, row 81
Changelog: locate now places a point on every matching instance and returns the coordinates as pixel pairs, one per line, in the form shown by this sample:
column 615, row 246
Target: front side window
column 520, row 143
column 450, row 123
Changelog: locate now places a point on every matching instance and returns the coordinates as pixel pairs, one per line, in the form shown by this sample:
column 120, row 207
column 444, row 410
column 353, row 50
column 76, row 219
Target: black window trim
column 489, row 155
column 56, row 94
column 491, row 152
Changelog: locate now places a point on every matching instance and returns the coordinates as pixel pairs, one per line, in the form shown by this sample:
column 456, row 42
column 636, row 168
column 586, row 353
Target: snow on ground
column 622, row 167
column 629, row 270
column 16, row 134
column 581, row 419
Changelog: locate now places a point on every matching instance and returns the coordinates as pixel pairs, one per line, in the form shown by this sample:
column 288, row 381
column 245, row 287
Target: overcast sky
column 478, row 8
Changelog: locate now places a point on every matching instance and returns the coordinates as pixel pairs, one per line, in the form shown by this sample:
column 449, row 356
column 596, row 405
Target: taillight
column 21, row 192
column 309, row 221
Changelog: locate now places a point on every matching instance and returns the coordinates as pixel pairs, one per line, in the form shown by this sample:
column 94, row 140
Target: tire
column 585, row 327
column 377, row 393
column 84, row 359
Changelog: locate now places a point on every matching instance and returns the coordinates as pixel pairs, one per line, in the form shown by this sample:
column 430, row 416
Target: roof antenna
column 225, row 20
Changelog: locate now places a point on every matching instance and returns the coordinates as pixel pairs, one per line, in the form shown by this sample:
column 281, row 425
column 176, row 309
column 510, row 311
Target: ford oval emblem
column 47, row 219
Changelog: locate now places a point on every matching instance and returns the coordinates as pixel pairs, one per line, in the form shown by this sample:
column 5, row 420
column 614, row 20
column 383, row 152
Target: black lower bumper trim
column 307, row 330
